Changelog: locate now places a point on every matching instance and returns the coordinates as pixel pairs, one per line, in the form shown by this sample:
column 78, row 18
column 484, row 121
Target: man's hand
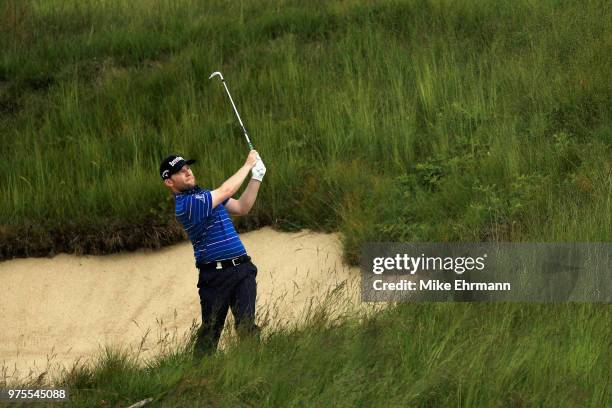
column 259, row 170
column 251, row 159
column 232, row 184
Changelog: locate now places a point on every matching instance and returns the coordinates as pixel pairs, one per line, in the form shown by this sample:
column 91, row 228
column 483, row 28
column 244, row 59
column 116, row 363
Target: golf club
column 217, row 73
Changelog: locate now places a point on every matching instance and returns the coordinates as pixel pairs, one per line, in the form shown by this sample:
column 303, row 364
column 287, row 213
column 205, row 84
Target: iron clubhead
column 215, row 74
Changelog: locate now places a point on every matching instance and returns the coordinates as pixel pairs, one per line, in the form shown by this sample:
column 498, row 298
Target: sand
column 56, row 311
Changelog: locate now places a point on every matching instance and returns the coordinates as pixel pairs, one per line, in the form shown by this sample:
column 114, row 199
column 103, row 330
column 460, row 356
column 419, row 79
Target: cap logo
column 176, row 160
column 165, row 173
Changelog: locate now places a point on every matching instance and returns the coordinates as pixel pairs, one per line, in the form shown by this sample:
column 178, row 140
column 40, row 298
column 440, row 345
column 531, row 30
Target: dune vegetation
column 411, row 120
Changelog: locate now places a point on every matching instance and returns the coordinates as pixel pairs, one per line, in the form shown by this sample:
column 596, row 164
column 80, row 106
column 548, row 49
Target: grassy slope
column 415, row 355
column 414, row 120
column 464, row 120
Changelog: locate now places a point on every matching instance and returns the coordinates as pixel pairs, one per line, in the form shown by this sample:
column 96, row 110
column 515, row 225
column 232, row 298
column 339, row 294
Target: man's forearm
column 233, row 183
column 248, row 197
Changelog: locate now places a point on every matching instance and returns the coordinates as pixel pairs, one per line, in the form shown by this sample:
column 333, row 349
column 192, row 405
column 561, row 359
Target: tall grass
column 484, row 120
column 467, row 354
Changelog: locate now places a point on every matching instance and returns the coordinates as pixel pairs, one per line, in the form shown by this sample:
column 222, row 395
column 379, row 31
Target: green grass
column 412, row 120
column 425, row 355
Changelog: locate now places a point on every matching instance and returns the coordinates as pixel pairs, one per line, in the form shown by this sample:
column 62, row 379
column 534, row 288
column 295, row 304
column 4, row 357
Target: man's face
column 183, row 180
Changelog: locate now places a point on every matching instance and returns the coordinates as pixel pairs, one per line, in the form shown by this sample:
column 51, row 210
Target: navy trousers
column 220, row 289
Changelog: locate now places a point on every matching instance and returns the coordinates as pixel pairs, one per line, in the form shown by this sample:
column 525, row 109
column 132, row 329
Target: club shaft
column 238, row 115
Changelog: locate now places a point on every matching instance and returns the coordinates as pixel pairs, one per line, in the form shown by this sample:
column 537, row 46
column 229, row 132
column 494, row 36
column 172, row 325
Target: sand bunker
column 55, row 311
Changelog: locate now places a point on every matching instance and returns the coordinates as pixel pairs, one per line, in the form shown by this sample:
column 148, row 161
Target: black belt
column 225, row 263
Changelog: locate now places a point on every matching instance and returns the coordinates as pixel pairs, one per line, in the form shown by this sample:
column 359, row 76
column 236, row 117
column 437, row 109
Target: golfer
column 226, row 274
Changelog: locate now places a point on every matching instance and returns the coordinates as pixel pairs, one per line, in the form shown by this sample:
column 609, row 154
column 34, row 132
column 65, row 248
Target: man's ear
column 168, row 183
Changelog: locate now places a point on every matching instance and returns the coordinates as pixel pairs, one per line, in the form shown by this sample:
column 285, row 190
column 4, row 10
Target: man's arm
column 232, row 184
column 243, row 205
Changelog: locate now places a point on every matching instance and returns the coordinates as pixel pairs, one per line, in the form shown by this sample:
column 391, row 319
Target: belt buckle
column 219, row 265
column 234, row 263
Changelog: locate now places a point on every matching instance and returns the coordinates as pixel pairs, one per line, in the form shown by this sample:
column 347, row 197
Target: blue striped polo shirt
column 210, row 230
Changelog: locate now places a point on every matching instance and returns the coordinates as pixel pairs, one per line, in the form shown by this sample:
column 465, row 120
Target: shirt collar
column 190, row 191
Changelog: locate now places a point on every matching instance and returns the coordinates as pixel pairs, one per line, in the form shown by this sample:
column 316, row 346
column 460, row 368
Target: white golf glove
column 258, row 170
